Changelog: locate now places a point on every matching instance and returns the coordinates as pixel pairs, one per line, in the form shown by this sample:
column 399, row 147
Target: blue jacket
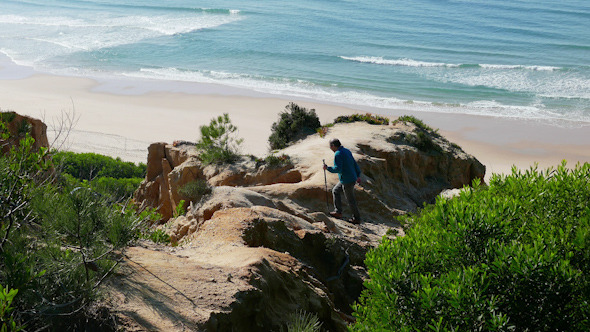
column 345, row 165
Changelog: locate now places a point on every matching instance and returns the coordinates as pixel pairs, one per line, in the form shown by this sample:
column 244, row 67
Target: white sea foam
column 534, row 68
column 41, row 21
column 569, row 85
column 415, row 63
column 399, row 62
column 30, row 39
column 309, row 90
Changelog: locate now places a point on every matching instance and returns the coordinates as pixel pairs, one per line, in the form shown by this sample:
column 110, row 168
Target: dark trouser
column 348, row 189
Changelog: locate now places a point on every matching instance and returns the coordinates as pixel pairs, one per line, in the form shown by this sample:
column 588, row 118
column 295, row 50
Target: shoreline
column 120, row 118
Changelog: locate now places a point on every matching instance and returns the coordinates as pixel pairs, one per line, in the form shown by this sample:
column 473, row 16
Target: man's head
column 334, row 144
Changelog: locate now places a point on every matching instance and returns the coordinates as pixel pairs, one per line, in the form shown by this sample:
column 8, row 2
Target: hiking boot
column 354, row 220
column 336, row 214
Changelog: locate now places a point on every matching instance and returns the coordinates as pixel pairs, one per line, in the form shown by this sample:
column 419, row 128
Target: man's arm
column 337, row 168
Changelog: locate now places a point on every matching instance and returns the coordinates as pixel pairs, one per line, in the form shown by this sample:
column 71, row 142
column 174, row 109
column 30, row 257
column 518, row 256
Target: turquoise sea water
column 506, row 58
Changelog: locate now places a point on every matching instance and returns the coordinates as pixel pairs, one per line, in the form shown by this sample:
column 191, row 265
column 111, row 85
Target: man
column 349, row 173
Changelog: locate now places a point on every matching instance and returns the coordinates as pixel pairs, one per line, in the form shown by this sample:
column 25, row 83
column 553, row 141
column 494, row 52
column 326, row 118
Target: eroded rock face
column 171, row 167
column 266, row 229
column 18, row 126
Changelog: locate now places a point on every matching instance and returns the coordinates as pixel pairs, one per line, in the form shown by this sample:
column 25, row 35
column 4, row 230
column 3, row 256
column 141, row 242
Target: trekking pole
column 326, row 184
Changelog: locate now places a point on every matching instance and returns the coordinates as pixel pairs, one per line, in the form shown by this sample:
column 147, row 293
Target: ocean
column 525, row 59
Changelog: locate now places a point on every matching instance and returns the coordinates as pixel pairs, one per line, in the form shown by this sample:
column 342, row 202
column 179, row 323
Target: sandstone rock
column 156, row 151
column 18, row 126
column 262, row 246
column 180, row 175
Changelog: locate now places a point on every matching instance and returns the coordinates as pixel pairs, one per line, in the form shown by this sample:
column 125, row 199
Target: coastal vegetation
column 108, row 176
column 510, row 256
column 218, row 144
column 274, row 160
column 59, row 240
column 412, row 119
column 368, row 118
column 195, row 190
column 513, row 255
column 294, row 122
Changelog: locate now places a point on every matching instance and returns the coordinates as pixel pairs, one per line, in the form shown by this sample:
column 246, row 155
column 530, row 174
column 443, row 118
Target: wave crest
column 399, row 62
column 415, row 63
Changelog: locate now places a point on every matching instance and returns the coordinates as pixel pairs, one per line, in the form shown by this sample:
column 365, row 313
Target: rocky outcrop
column 261, row 245
column 18, row 126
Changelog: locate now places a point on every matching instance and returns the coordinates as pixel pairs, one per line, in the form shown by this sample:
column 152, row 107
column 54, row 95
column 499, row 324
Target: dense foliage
column 111, row 177
column 294, row 122
column 58, row 241
column 423, row 141
column 513, row 256
column 422, row 136
column 273, row 160
column 368, row 118
column 218, row 143
column 87, row 166
column 412, row 119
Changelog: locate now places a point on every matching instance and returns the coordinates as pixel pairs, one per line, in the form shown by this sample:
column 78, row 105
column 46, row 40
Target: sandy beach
column 121, row 118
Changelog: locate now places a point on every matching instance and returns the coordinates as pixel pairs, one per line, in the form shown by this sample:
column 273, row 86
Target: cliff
column 18, row 126
column 261, row 246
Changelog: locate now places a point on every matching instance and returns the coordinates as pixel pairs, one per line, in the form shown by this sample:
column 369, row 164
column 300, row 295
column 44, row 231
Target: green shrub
column 57, row 242
column 368, row 118
column 108, row 176
column 118, row 189
column 301, row 321
column 159, row 236
column 7, row 321
column 87, row 166
column 218, row 144
column 294, row 122
column 195, row 190
column 78, row 233
column 180, row 209
column 7, row 117
column 423, row 142
column 323, row 130
column 412, row 119
column 513, row 256
column 274, row 160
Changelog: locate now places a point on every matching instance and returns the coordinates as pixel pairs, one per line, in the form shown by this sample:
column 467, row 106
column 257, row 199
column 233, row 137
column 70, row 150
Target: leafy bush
column 294, row 122
column 368, row 118
column 218, row 144
column 108, row 176
column 57, row 242
column 274, row 160
column 423, row 142
column 513, row 256
column 194, row 190
column 87, row 166
column 180, row 209
column 120, row 189
column 7, row 117
column 159, row 236
column 412, row 119
column 7, row 321
column 79, row 233
column 323, row 130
